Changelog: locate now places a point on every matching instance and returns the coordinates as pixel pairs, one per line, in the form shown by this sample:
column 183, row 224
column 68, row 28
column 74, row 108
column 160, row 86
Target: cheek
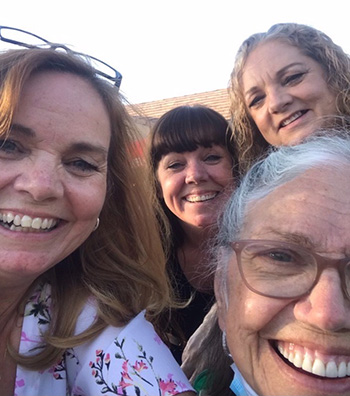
column 259, row 311
column 262, row 122
column 223, row 175
column 170, row 187
column 87, row 201
column 249, row 313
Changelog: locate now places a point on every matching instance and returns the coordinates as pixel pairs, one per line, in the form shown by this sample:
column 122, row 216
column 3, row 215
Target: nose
column 196, row 172
column 326, row 306
column 278, row 100
column 40, row 179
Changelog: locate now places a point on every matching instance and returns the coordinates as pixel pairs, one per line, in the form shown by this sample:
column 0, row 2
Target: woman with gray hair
column 283, row 272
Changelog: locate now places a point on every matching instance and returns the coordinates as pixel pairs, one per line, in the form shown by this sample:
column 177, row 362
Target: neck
column 193, row 257
column 197, row 236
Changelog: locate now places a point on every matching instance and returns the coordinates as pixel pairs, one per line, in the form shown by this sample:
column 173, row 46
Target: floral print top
column 129, row 361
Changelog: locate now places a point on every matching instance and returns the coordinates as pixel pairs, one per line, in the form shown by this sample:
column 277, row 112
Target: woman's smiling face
column 285, row 92
column 313, row 331
column 194, row 183
column 53, row 169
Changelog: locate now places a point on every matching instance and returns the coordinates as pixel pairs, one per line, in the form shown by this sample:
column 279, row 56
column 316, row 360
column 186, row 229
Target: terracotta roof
column 217, row 100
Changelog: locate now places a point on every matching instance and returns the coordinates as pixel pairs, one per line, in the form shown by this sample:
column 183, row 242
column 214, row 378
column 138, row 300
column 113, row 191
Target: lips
column 25, row 223
column 314, row 362
column 193, row 198
column 292, row 118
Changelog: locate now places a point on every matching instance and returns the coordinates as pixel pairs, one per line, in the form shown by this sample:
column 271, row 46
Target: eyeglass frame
column 117, row 80
column 320, row 261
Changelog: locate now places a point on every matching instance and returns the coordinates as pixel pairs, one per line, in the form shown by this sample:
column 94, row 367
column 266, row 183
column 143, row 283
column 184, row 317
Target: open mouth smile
column 292, row 118
column 311, row 362
column 25, row 223
column 201, row 198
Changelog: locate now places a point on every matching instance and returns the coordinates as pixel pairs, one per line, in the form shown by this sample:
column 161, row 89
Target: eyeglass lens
column 19, row 37
column 281, row 271
column 13, row 36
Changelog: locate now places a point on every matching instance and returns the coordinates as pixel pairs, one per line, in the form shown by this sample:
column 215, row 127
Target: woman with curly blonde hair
column 285, row 83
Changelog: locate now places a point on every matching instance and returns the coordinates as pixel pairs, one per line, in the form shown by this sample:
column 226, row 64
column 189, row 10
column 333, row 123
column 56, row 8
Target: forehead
column 314, row 206
column 269, row 57
column 64, row 96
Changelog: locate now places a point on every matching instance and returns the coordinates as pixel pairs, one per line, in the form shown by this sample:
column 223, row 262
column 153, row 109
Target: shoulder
column 129, row 359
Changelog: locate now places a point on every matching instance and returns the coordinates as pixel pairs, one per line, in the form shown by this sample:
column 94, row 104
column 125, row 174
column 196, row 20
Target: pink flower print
column 107, row 358
column 20, row 383
column 157, row 339
column 99, row 352
column 139, row 366
column 123, row 384
column 25, row 338
column 125, row 365
column 181, row 385
column 125, row 375
column 167, row 387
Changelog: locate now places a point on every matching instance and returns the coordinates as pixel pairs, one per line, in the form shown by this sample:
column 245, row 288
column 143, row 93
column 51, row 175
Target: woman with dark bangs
column 192, row 172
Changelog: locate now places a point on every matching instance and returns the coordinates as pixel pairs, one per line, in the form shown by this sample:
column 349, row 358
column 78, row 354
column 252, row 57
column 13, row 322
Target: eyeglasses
column 284, row 270
column 29, row 40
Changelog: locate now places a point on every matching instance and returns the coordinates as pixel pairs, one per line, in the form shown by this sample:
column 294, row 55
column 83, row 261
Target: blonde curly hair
column 311, row 42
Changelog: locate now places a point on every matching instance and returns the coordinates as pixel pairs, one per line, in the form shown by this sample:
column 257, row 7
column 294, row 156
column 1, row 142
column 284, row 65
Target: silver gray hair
column 329, row 149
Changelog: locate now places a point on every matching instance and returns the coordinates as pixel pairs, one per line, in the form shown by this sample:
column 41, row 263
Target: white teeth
column 36, row 223
column 342, row 370
column 291, row 119
column 318, row 368
column 307, row 364
column 298, row 360
column 44, row 224
column 331, row 370
column 201, row 198
column 25, row 222
column 10, row 217
column 316, row 365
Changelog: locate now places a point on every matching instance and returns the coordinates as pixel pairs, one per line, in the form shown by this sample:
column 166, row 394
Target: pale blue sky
column 168, row 48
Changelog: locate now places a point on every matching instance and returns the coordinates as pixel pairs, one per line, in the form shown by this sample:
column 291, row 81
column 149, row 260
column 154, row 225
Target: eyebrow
column 296, row 238
column 22, row 130
column 76, row 146
column 251, row 90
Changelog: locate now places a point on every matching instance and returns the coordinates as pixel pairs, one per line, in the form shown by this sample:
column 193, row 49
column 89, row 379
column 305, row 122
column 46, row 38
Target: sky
column 169, row 48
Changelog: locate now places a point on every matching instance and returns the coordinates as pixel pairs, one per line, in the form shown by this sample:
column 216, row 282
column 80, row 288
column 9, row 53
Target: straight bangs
column 187, row 128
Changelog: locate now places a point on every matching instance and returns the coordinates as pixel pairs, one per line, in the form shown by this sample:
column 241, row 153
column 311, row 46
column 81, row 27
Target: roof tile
column 217, row 100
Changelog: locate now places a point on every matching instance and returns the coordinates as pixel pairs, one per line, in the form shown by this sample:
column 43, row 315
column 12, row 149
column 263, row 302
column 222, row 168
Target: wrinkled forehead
column 315, row 205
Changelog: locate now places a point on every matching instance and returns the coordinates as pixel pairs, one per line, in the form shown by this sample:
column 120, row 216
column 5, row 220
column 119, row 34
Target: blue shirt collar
column 239, row 385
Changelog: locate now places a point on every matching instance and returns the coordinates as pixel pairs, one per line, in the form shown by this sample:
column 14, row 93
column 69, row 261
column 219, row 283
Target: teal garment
column 239, row 385
column 200, row 383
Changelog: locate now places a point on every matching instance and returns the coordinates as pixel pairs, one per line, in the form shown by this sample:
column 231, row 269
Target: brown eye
column 294, row 78
column 256, row 101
